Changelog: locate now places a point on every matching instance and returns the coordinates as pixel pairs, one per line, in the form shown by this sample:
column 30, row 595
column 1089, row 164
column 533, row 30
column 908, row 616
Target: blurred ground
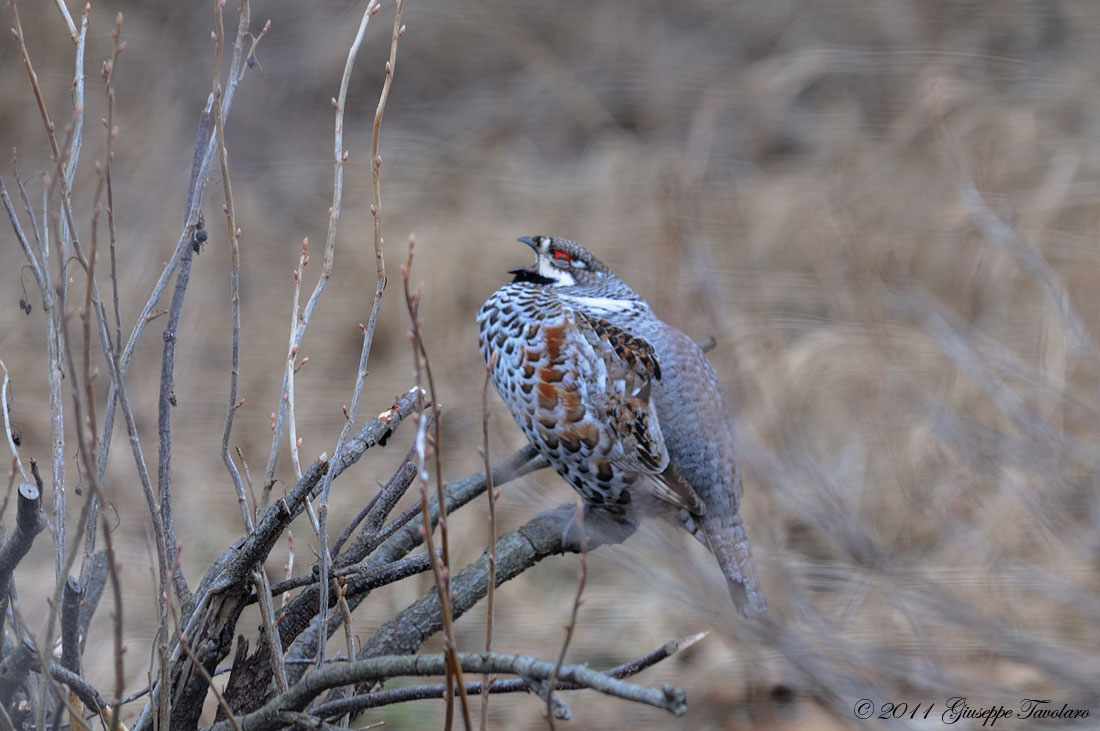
column 916, row 389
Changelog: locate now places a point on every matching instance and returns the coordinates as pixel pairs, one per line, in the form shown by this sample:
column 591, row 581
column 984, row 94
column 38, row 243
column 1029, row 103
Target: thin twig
column 234, row 238
column 78, row 104
column 36, row 269
column 292, row 367
column 63, row 181
column 289, row 564
column 5, row 387
column 53, row 315
column 341, row 590
column 113, row 717
column 86, row 446
column 166, row 401
column 491, row 492
column 103, row 171
column 440, row 568
column 569, row 628
column 68, row 18
column 112, row 132
column 303, row 318
column 267, row 612
column 159, row 539
column 90, row 284
column 204, row 155
column 288, row 393
column 368, row 330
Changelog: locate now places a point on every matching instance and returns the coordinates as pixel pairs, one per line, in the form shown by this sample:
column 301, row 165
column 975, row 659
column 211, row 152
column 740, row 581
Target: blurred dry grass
column 919, row 423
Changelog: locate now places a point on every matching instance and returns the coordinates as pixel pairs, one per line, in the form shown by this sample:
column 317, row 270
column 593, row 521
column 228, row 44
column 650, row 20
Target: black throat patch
column 525, row 274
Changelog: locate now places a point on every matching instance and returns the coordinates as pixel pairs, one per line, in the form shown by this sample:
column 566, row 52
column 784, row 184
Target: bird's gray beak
column 530, row 241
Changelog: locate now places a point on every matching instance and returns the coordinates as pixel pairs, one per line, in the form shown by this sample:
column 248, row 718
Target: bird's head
column 561, row 263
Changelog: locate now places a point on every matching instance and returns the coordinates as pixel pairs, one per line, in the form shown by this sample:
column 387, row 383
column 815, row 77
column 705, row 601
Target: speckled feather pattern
column 623, row 405
column 560, row 386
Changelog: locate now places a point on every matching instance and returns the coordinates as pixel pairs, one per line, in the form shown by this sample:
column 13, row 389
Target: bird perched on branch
column 624, row 406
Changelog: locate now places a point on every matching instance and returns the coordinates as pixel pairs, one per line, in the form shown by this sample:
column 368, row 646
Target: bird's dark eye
column 562, row 259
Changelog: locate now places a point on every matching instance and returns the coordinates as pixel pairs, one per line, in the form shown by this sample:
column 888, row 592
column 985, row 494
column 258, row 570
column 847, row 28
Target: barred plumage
column 621, row 404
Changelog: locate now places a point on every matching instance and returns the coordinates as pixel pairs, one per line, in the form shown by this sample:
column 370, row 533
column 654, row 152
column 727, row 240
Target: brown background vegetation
column 786, row 177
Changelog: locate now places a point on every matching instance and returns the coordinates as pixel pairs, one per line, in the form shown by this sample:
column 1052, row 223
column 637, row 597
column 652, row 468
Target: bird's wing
column 630, row 356
column 673, row 488
column 631, row 366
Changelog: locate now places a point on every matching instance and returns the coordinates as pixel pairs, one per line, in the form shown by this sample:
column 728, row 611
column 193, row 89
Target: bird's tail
column 730, row 545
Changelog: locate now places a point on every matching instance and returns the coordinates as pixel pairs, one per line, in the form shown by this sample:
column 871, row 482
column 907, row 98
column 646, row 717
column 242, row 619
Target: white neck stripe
column 603, row 304
column 561, row 277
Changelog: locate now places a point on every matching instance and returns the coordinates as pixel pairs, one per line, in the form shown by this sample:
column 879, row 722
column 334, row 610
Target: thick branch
column 378, row 668
column 15, row 669
column 370, row 536
column 544, row 535
column 255, row 548
column 29, row 523
column 70, row 625
column 88, row 695
column 400, row 538
column 226, row 588
column 359, row 703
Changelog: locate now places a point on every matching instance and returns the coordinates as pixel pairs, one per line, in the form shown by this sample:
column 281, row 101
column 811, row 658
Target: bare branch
column 400, row 537
column 544, row 535
column 204, row 155
column 364, row 671
column 372, row 534
column 68, row 18
column 440, row 569
column 166, row 401
column 359, row 703
column 29, row 522
column 302, row 319
column 206, row 676
column 70, row 625
column 491, row 491
column 267, row 612
column 36, row 269
column 376, row 210
column 5, row 387
column 569, row 628
column 234, row 238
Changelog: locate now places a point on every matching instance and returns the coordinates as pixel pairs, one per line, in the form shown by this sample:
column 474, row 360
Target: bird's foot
column 598, row 527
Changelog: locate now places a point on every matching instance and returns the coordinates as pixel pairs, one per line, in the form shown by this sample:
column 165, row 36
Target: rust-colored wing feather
column 632, row 351
column 631, row 366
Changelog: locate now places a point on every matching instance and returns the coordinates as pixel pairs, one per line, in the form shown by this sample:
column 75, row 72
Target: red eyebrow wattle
column 562, row 255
